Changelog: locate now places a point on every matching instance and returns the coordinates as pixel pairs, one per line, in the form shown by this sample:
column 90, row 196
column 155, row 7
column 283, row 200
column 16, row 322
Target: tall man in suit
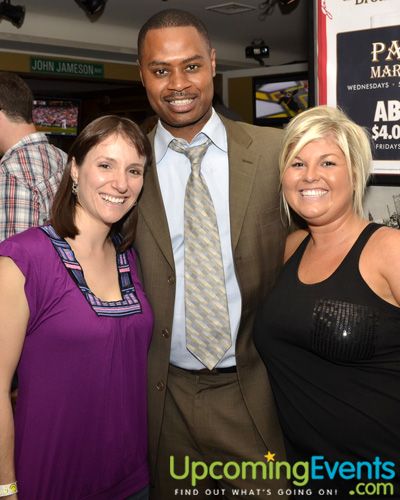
column 218, row 410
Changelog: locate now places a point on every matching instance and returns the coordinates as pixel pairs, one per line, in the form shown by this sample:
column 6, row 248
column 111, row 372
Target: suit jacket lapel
column 242, row 170
column 152, row 210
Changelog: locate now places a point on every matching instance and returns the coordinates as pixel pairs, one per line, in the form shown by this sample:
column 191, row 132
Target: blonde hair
column 318, row 123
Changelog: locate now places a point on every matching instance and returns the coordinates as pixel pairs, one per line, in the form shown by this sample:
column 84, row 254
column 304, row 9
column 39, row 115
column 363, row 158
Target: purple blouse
column 81, row 415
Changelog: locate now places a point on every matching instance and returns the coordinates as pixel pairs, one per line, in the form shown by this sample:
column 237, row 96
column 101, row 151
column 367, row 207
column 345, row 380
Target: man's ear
column 213, row 55
column 141, row 76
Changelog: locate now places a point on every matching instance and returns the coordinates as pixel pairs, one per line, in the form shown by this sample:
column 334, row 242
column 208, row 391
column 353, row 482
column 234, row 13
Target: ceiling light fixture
column 285, row 6
column 92, row 7
column 258, row 50
column 13, row 13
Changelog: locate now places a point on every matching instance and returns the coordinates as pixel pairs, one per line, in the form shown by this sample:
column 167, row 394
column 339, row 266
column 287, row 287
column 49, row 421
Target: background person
column 31, row 168
column 329, row 330
column 75, row 320
column 220, row 409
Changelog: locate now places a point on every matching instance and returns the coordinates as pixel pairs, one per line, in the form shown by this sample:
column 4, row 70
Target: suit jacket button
column 171, row 280
column 160, row 386
column 165, row 333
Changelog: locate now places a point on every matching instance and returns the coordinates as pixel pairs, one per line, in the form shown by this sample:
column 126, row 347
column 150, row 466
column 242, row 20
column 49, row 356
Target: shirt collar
column 34, row 138
column 214, row 129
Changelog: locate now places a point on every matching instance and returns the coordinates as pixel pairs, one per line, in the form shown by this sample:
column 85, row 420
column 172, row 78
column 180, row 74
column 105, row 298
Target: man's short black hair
column 16, row 98
column 171, row 18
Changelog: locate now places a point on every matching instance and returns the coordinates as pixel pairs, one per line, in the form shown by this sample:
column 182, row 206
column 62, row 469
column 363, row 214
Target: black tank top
column 332, row 350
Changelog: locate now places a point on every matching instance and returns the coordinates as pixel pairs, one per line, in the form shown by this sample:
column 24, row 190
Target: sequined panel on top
column 343, row 331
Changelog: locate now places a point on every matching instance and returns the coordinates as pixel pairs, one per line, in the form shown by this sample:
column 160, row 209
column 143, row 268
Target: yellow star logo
column 270, row 457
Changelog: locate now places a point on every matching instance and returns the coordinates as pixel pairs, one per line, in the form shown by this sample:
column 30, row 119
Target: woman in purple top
column 76, row 324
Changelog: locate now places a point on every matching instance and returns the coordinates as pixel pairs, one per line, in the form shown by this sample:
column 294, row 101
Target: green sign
column 66, row 67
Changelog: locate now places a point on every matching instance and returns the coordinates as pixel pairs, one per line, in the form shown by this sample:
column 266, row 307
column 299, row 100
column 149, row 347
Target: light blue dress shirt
column 173, row 171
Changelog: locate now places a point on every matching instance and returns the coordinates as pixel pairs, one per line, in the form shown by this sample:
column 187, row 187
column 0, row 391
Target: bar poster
column 358, row 69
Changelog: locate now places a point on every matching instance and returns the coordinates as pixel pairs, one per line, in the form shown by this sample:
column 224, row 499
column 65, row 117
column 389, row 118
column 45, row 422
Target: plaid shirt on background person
column 30, row 173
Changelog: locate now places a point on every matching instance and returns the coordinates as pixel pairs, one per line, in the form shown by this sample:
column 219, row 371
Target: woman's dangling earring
column 74, row 188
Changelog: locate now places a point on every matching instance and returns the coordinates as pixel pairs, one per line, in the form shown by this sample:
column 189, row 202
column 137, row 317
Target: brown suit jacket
column 257, row 240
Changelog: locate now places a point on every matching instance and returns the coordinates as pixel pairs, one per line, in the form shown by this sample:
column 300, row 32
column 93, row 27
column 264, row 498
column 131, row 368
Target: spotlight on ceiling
column 92, row 7
column 287, row 6
column 13, row 13
column 267, row 7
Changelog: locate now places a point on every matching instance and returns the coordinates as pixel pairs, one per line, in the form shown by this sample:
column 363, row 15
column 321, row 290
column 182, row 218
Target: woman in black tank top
column 329, row 332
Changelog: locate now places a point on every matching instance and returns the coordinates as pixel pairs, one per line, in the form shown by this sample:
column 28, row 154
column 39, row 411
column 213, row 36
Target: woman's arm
column 387, row 251
column 14, row 315
column 380, row 264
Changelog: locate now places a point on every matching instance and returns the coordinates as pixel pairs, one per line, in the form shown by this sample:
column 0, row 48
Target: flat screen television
column 56, row 116
column 278, row 98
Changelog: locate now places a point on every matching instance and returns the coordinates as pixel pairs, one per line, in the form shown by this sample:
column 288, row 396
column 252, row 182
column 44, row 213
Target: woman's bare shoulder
column 386, row 241
column 381, row 264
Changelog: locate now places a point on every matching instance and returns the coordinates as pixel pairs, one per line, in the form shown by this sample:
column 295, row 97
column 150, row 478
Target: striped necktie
column 208, row 334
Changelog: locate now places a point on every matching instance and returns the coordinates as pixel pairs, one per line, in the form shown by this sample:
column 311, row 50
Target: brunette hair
column 63, row 208
column 16, row 99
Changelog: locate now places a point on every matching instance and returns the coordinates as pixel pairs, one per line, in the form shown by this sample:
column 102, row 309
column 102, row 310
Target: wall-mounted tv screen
column 56, row 116
column 278, row 98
